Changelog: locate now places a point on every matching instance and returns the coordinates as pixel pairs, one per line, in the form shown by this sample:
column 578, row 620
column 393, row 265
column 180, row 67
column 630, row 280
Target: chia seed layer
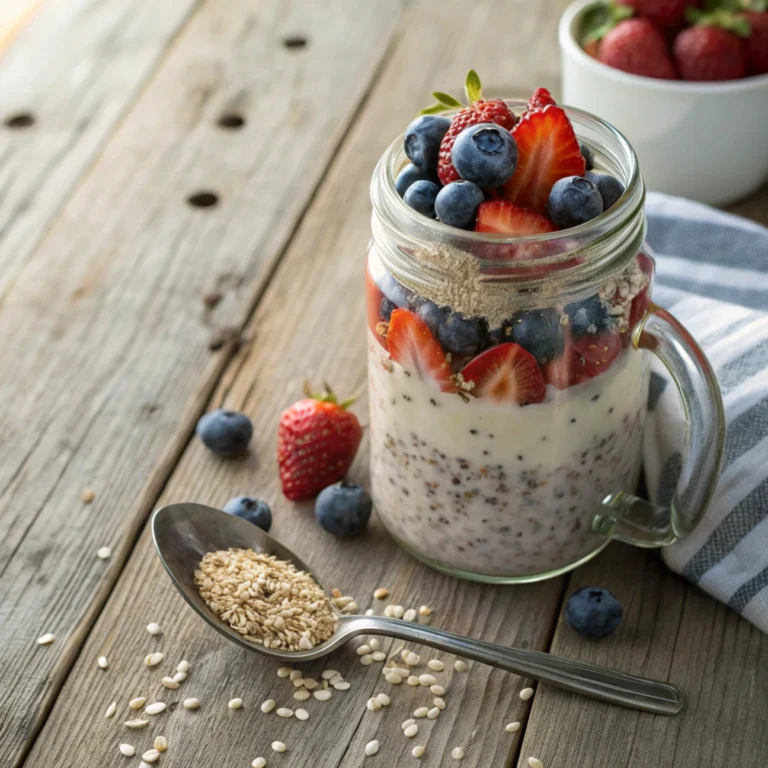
column 497, row 489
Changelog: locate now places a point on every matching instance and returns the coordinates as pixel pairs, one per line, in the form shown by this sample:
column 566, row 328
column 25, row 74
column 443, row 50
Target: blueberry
column 588, row 155
column 589, row 317
column 422, row 139
column 539, row 332
column 343, row 509
column 486, row 154
column 421, row 197
column 462, row 335
column 432, row 315
column 226, row 433
column 593, row 612
column 457, row 204
column 574, row 200
column 395, row 296
column 609, row 187
column 412, row 173
column 386, row 308
column 253, row 510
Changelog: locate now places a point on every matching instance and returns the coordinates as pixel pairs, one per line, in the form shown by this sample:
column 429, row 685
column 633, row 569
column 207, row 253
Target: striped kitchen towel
column 712, row 273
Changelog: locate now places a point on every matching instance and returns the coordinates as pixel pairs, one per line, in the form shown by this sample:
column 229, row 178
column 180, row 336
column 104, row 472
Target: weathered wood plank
column 310, row 322
column 74, row 67
column 106, row 328
column 670, row 631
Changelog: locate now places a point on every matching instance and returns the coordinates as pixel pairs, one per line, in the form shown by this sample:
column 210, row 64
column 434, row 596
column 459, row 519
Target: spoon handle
column 586, row 679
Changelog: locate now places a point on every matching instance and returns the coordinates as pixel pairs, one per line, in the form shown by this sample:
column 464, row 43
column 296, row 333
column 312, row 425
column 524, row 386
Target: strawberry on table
column 547, row 150
column 479, row 111
column 506, row 373
column 317, row 439
column 638, row 47
column 504, row 218
column 412, row 345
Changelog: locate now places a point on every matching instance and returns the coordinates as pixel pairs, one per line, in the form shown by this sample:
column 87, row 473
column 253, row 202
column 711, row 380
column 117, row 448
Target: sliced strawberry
column 548, row 150
column 639, row 307
column 541, row 98
column 566, row 370
column 504, row 218
column 599, row 352
column 507, row 373
column 411, row 344
column 373, row 297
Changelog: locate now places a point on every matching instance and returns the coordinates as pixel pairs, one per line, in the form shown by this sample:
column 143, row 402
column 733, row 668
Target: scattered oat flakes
column 155, row 708
column 526, row 694
column 342, row 685
column 369, row 612
column 191, row 703
column 301, row 695
column 137, row 703
column 383, row 699
column 103, row 662
column 411, row 731
column 46, row 639
column 438, row 702
column 278, row 746
column 328, row 674
column 427, row 680
column 425, row 610
column 418, row 751
column 322, row 695
column 179, row 677
column 410, row 614
column 127, row 749
column 366, row 660
column 534, row 762
column 268, row 705
column 381, row 593
column 436, row 665
column 393, row 678
column 458, row 753
column 407, row 723
column 373, row 705
column 151, row 756
column 170, row 683
column 136, row 725
column 259, row 762
column 87, row 495
column 301, row 714
column 236, row 704
column 284, row 712
column 104, row 553
column 371, row 748
column 183, row 666
column 154, row 628
column 363, row 650
column 433, row 713
column 413, row 680
column 111, row 709
column 153, row 659
column 420, row 712
column 160, row 743
column 437, row 690
column 460, row 666
column 374, row 643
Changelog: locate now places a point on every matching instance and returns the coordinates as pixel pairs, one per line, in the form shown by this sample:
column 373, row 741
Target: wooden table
column 131, row 198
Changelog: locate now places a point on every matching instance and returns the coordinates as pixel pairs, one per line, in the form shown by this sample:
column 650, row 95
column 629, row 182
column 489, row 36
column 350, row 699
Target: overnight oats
column 505, row 278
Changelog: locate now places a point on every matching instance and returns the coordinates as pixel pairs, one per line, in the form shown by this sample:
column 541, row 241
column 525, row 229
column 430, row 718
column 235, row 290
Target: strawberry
column 598, row 352
column 662, row 13
column 566, row 370
column 317, row 439
column 638, row 47
column 506, row 373
column 504, row 218
column 547, row 150
column 756, row 45
column 478, row 111
column 711, row 50
column 541, row 98
column 411, row 343
column 373, row 297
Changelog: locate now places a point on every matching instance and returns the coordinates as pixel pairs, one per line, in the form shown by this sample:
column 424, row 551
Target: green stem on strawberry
column 600, row 19
column 722, row 18
column 473, row 89
column 329, row 396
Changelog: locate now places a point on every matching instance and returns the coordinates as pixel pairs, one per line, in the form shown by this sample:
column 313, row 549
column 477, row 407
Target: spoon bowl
column 184, row 533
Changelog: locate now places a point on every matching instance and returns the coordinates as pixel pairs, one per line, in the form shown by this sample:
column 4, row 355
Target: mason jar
column 492, row 467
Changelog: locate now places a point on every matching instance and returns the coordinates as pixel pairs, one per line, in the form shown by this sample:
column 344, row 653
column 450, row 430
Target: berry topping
column 412, row 345
column 478, row 111
column 226, row 433
column 432, row 315
column 539, row 332
column 461, row 335
column 566, row 370
column 588, row 155
column 485, row 154
column 253, row 510
column 421, row 197
column 548, row 150
column 599, row 352
column 317, row 440
column 504, row 218
column 756, row 45
column 589, row 317
column 541, row 99
column 343, row 509
column 609, row 187
column 593, row 612
column 457, row 204
column 422, row 139
column 638, row 47
column 507, row 373
column 409, row 175
column 709, row 52
column 574, row 200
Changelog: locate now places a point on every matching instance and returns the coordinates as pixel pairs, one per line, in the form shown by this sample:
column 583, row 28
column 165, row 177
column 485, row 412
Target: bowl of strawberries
column 685, row 80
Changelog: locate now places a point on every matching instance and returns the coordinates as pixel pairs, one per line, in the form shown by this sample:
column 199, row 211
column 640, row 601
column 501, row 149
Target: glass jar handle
column 629, row 518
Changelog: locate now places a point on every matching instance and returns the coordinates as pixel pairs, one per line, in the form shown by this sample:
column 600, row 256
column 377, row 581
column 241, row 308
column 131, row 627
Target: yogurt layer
column 498, row 489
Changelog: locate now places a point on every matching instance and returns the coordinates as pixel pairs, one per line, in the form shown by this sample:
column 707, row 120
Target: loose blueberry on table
column 593, row 612
column 226, row 433
column 251, row 509
column 343, row 509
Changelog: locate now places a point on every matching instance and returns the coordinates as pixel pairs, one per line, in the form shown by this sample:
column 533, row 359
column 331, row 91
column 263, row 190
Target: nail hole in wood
column 294, row 42
column 232, row 121
column 20, row 120
column 203, row 199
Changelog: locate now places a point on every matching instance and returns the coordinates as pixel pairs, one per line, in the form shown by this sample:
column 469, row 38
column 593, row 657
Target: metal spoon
column 183, row 533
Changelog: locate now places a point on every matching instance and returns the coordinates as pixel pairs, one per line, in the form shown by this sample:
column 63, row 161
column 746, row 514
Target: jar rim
column 611, row 144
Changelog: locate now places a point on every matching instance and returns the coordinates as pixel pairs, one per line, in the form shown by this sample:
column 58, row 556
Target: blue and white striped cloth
column 712, row 273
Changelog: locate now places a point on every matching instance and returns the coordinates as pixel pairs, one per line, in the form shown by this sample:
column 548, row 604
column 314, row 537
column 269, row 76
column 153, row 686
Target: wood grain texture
column 75, row 67
column 310, row 323
column 670, row 631
column 105, row 330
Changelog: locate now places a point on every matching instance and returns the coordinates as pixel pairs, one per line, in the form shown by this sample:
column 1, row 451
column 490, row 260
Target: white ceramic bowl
column 706, row 141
